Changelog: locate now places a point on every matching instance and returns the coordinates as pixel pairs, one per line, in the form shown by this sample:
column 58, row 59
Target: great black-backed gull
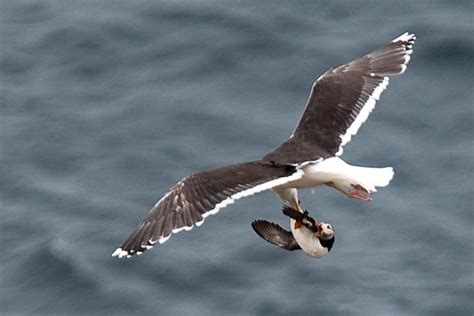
column 340, row 101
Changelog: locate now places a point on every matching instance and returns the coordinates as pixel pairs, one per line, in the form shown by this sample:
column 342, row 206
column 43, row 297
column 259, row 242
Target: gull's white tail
column 344, row 177
column 370, row 178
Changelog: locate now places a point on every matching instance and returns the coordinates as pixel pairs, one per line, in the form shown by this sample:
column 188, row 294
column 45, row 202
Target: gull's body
column 340, row 101
column 337, row 173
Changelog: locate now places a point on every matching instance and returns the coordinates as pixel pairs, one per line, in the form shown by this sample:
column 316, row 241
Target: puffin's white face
column 326, row 231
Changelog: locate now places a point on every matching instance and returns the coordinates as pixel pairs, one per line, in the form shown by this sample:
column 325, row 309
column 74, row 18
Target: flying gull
column 339, row 102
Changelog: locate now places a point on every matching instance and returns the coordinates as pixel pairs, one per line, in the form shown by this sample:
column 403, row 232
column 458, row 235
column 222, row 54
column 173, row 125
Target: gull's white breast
column 319, row 172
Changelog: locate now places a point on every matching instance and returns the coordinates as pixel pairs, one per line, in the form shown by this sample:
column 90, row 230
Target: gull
column 340, row 101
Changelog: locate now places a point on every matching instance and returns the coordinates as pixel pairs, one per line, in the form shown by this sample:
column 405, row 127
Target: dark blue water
column 106, row 104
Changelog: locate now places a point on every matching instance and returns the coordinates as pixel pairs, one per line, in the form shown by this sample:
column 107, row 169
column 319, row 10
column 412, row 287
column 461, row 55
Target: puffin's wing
column 341, row 100
column 275, row 234
column 195, row 197
column 292, row 213
column 303, row 218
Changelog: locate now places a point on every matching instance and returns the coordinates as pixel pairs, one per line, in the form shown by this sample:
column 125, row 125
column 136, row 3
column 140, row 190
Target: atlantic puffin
column 340, row 101
column 314, row 237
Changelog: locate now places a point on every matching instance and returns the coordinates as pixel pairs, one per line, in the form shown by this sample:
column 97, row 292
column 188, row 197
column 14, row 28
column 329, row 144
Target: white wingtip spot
column 117, row 252
column 123, row 253
column 177, row 230
column 200, row 222
column 404, row 68
column 405, row 37
column 162, row 240
column 186, row 228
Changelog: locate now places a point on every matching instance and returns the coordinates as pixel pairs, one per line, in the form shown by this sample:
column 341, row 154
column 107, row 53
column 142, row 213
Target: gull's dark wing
column 275, row 234
column 341, row 100
column 202, row 194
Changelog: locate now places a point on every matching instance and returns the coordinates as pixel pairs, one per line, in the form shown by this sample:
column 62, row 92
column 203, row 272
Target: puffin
column 340, row 100
column 314, row 237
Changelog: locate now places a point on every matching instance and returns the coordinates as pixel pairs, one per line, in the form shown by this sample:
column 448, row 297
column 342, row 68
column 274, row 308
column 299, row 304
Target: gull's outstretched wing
column 202, row 194
column 275, row 234
column 341, row 100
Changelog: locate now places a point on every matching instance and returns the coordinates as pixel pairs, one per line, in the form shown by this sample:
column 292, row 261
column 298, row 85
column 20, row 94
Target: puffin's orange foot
column 359, row 193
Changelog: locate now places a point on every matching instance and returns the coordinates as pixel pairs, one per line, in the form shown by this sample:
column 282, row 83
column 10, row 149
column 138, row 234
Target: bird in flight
column 314, row 237
column 340, row 101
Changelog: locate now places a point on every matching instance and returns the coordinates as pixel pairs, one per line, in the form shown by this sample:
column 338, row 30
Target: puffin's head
column 325, row 234
column 325, row 231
